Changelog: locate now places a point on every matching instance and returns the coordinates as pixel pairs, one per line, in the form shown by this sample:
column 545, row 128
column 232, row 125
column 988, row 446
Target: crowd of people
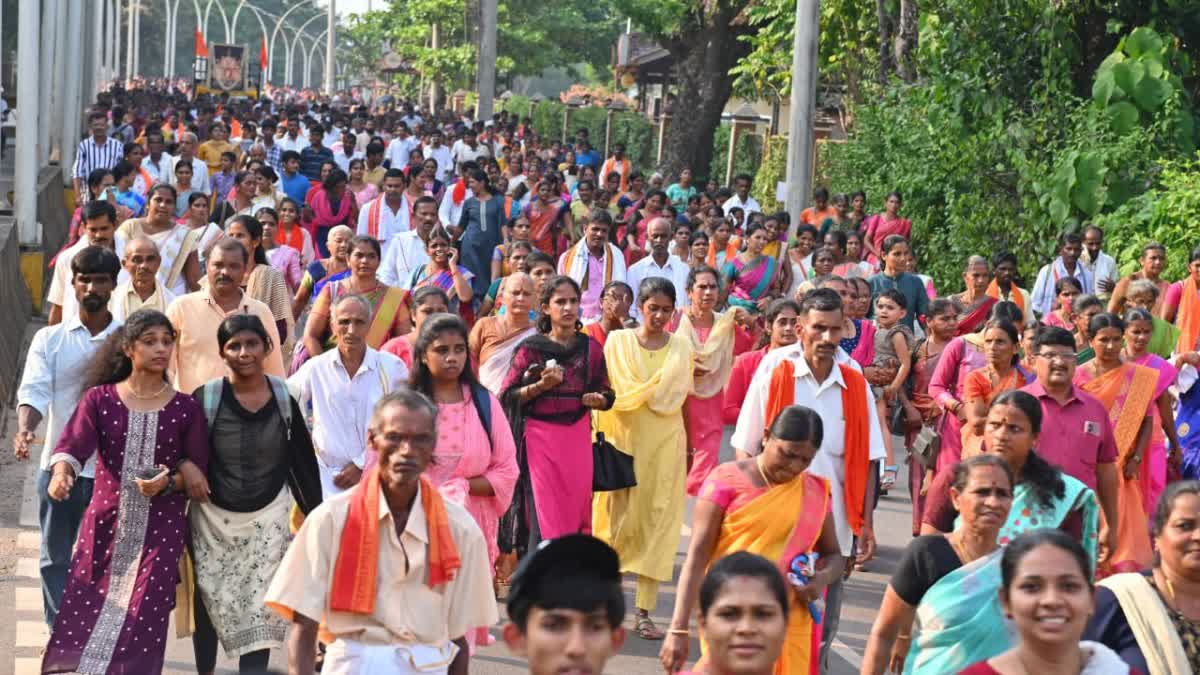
column 340, row 376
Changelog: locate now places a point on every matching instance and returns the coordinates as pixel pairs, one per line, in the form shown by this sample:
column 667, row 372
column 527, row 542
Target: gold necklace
column 762, row 472
column 133, row 392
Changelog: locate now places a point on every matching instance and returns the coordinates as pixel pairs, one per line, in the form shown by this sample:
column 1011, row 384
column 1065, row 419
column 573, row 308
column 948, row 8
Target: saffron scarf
column 731, row 249
column 295, row 239
column 1015, row 295
column 1188, row 319
column 357, row 564
column 857, row 450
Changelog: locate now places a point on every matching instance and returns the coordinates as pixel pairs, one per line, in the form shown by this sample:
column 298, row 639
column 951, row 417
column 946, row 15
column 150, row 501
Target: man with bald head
column 340, row 387
column 660, row 263
column 494, row 339
column 142, row 290
column 188, row 143
column 976, row 303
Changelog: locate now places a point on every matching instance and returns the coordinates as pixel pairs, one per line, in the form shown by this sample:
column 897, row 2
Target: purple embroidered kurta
column 121, row 589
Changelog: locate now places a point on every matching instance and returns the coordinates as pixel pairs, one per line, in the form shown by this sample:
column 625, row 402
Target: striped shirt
column 275, row 157
column 91, row 156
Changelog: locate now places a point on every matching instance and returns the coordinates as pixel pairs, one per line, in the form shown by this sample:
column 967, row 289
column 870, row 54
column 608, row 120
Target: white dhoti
column 348, row 657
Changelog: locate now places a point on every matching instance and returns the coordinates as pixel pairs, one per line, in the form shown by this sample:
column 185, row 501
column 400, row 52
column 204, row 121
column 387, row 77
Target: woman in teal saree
column 949, row 583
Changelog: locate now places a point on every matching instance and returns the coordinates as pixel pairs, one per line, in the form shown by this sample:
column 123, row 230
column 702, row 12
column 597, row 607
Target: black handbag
column 611, row 468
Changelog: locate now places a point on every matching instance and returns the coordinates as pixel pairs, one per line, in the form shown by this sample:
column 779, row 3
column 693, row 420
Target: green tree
column 704, row 40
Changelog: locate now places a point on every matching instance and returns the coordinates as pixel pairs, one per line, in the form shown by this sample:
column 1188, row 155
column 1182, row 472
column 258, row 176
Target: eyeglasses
column 1061, row 357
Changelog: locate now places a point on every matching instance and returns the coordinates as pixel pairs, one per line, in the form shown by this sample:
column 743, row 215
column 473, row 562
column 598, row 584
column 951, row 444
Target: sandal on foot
column 889, row 477
column 645, row 629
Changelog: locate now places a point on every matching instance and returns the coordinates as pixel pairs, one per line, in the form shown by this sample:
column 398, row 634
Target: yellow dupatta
column 714, row 355
column 756, row 527
column 1127, row 393
column 662, row 391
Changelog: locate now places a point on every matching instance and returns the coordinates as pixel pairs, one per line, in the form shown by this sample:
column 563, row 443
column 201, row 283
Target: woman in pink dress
column 1139, row 327
column 475, row 463
column 961, row 356
column 882, row 225
column 712, row 336
column 556, row 378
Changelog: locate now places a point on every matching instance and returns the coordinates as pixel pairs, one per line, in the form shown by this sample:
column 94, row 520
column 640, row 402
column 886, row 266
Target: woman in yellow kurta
column 651, row 372
column 738, row 510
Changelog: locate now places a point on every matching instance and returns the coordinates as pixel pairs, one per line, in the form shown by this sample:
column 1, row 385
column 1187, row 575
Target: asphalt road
column 24, row 633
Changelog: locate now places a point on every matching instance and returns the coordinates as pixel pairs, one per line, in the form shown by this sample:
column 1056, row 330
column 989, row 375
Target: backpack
column 481, row 397
column 211, row 400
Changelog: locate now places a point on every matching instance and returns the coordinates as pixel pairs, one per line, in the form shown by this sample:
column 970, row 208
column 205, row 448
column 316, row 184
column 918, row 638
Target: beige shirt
column 125, row 300
column 407, row 611
column 196, row 358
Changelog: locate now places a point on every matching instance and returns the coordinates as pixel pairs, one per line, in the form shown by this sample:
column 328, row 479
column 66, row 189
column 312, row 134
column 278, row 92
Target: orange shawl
column 857, row 450
column 1188, row 318
column 357, row 565
column 1015, row 297
column 731, row 249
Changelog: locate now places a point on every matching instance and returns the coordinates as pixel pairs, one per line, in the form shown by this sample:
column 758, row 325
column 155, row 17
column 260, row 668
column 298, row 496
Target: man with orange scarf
column 816, row 373
column 390, row 575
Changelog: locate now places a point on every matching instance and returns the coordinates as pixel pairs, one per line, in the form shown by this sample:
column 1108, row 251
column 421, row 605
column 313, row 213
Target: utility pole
column 330, row 39
column 486, row 78
column 434, row 44
column 130, row 47
column 804, row 94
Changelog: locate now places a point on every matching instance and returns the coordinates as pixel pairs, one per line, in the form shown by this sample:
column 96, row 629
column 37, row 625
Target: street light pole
column 486, row 90
column 803, row 101
column 25, row 166
column 330, row 39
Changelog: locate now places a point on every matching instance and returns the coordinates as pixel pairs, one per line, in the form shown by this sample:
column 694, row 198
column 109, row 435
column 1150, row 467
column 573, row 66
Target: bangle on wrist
column 678, row 631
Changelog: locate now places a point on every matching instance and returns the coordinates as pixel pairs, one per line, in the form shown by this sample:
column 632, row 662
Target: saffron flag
column 262, row 54
column 201, row 48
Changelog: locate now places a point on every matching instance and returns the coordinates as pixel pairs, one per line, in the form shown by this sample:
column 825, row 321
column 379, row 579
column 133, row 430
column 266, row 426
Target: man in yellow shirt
column 210, row 151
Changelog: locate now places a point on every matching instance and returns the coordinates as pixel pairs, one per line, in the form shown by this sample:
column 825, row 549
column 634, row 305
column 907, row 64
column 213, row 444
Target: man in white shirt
column 349, row 143
column 450, row 210
column 1102, row 265
column 341, row 388
column 187, row 153
column 440, row 154
column 593, row 263
column 741, row 196
column 99, row 228
column 820, row 381
column 411, row 118
column 400, row 147
column 52, row 384
column 660, row 263
column 407, row 250
column 387, row 215
column 467, row 148
column 1067, row 264
column 292, row 140
column 158, row 163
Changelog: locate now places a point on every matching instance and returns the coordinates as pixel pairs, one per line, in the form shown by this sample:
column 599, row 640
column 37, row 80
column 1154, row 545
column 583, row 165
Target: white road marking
column 32, row 634
column 29, row 500
column 29, row 599
column 30, row 540
column 843, row 650
column 28, row 567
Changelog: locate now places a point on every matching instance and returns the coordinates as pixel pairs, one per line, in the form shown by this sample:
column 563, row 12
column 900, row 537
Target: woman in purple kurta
column 121, row 588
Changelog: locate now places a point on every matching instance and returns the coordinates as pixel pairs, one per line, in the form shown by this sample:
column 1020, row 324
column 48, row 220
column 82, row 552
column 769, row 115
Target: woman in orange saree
column 736, row 511
column 1129, row 393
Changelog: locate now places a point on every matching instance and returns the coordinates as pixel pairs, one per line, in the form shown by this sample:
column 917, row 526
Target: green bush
column 771, row 172
column 1165, row 214
column 747, row 156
